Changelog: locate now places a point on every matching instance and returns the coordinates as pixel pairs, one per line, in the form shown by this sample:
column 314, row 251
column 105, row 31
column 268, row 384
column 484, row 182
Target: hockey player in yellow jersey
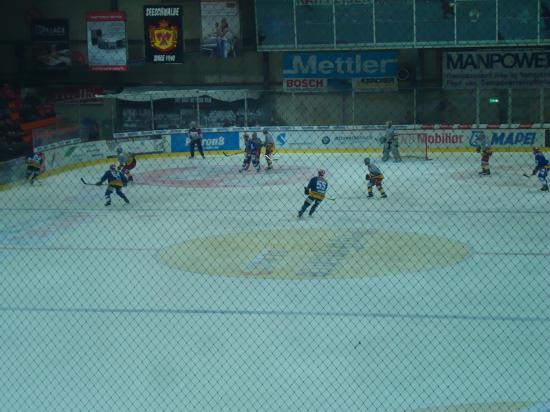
column 34, row 166
column 374, row 178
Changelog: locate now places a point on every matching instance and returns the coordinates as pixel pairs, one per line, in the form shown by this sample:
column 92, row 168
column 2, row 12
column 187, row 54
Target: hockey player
column 315, row 192
column 34, row 166
column 255, row 150
column 126, row 162
column 374, row 178
column 390, row 144
column 115, row 181
column 247, row 153
column 269, row 144
column 486, row 152
column 541, row 167
column 195, row 139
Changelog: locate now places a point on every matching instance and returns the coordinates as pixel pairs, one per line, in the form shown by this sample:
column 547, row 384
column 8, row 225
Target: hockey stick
column 329, row 198
column 270, row 158
column 231, row 154
column 526, row 175
column 86, row 183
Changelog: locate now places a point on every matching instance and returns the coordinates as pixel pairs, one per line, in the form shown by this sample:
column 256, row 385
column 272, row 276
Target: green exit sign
column 493, row 100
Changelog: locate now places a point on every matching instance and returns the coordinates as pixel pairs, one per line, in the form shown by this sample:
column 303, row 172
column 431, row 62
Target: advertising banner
column 143, row 145
column 326, row 139
column 496, row 69
column 57, row 156
column 330, row 139
column 341, row 70
column 50, row 44
column 210, row 141
column 342, row 65
column 82, row 94
column 497, row 138
column 305, row 84
column 107, row 43
column 221, row 28
column 68, row 155
column 163, row 34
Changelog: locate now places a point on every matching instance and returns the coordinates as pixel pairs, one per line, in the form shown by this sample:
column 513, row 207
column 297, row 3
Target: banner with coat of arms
column 163, row 34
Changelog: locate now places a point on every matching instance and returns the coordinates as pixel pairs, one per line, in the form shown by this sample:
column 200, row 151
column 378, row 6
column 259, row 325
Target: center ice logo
column 281, row 139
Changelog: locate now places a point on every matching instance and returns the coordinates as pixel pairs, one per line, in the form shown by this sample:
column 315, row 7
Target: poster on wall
column 50, row 44
column 107, row 43
column 496, row 69
column 221, row 28
column 360, row 70
column 163, row 34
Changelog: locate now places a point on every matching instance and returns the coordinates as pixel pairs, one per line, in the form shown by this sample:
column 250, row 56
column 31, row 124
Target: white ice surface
column 91, row 318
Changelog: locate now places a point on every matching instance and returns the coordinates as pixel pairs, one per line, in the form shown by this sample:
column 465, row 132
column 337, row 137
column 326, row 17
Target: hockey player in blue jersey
column 541, row 167
column 252, row 148
column 116, row 179
column 34, row 166
column 247, row 153
column 315, row 192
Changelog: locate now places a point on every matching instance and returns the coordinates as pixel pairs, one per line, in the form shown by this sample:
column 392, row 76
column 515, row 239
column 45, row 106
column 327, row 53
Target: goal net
column 413, row 145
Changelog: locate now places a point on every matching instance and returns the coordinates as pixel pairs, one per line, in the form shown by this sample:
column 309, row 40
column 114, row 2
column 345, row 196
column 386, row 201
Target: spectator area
column 20, row 113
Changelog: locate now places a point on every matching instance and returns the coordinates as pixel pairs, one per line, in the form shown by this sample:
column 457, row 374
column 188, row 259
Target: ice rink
column 207, row 292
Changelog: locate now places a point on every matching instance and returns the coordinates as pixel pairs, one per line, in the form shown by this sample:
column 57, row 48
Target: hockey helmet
column 264, row 129
column 536, row 150
column 119, row 150
column 112, row 166
column 367, row 160
column 321, row 172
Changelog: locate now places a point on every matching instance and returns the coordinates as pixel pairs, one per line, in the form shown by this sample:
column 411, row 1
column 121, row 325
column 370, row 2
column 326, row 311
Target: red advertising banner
column 107, row 42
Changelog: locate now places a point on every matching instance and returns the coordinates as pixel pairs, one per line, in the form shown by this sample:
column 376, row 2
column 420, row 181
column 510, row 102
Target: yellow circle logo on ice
column 314, row 254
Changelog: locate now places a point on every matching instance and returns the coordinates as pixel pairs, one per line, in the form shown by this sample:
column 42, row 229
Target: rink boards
column 69, row 154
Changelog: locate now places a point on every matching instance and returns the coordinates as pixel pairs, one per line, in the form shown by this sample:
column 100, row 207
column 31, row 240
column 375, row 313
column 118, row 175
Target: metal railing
column 91, row 119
